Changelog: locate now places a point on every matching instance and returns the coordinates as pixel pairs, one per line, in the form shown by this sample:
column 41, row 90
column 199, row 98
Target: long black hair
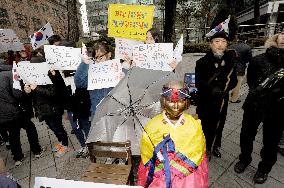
column 156, row 34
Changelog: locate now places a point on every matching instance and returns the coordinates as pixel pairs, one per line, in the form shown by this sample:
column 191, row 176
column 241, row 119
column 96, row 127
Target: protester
column 24, row 55
column 244, row 57
column 173, row 148
column 264, row 103
column 215, row 77
column 54, row 40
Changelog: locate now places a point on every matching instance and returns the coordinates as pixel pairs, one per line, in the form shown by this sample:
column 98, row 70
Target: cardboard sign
column 129, row 21
column 16, row 82
column 44, row 182
column 179, row 50
column 62, row 58
column 124, row 47
column 104, row 75
column 40, row 37
column 9, row 41
column 153, row 56
column 36, row 73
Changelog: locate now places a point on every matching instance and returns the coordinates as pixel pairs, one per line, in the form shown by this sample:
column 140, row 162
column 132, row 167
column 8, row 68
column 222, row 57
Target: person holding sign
column 103, row 53
column 173, row 148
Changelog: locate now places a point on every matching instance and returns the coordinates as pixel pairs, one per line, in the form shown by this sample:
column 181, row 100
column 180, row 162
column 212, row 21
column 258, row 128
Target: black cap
column 221, row 34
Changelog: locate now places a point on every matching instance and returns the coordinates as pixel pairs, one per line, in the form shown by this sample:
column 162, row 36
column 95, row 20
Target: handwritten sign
column 40, row 37
column 104, row 75
column 146, row 2
column 44, row 182
column 153, row 56
column 9, row 41
column 34, row 73
column 129, row 21
column 124, row 47
column 16, row 82
column 62, row 58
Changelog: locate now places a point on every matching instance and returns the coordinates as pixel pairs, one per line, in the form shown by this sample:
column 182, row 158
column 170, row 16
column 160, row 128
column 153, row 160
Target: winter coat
column 211, row 92
column 9, row 97
column 245, row 55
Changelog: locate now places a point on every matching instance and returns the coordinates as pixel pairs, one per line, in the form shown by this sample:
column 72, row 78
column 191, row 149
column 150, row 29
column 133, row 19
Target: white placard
column 124, row 47
column 34, row 73
column 9, row 41
column 44, row 182
column 16, row 82
column 104, row 75
column 146, row 2
column 40, row 37
column 179, row 50
column 153, row 56
column 62, row 58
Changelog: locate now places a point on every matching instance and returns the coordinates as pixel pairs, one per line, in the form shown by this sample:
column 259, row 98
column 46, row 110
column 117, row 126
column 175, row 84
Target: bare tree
column 170, row 19
column 73, row 32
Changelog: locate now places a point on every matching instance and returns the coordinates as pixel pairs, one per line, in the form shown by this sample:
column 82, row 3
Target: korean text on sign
column 62, row 58
column 124, row 47
column 9, row 41
column 129, row 21
column 153, row 56
column 104, row 75
column 34, row 73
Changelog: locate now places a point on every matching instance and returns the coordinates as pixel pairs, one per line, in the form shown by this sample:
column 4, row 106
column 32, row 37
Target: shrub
column 196, row 47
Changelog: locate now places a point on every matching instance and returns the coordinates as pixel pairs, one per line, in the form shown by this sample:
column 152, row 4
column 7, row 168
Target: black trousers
column 55, row 124
column 272, row 132
column 14, row 128
column 213, row 121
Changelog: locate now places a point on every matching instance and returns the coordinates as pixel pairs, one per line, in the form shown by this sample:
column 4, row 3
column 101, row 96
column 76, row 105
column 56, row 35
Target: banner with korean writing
column 34, row 73
column 62, row 58
column 9, row 41
column 124, row 47
column 44, row 182
column 104, row 75
column 129, row 21
column 153, row 56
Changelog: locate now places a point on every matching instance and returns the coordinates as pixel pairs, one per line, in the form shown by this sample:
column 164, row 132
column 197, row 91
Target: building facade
column 27, row 16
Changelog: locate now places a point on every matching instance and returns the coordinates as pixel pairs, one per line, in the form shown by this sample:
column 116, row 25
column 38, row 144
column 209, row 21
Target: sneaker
column 61, row 151
column 240, row 167
column 56, row 147
column 260, row 177
column 82, row 152
column 20, row 162
column 39, row 155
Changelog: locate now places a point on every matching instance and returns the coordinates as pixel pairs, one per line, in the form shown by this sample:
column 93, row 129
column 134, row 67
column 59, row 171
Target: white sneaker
column 41, row 152
column 82, row 152
column 18, row 163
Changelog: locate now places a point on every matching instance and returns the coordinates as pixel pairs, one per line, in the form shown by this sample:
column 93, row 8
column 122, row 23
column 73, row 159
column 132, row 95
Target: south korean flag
column 40, row 37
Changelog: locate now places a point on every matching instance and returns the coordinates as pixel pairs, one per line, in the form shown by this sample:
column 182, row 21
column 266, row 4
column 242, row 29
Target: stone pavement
column 221, row 173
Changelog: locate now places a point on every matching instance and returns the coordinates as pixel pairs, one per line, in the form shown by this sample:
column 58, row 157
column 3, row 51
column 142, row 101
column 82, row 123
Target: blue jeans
column 82, row 124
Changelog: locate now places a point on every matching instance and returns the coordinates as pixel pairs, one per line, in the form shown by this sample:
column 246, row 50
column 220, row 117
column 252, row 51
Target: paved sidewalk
column 221, row 173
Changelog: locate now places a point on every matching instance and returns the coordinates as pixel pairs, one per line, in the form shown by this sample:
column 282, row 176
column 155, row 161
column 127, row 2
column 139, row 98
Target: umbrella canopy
column 121, row 115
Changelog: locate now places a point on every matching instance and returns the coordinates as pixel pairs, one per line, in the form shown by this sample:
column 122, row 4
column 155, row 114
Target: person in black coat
column 264, row 103
column 215, row 77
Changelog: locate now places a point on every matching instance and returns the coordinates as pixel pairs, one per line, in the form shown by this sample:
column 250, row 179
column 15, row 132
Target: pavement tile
column 229, row 180
column 225, row 161
column 214, row 172
column 231, row 147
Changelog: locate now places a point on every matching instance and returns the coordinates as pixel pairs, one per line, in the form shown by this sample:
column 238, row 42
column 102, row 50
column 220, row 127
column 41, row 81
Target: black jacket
column 82, row 103
column 262, row 67
column 211, row 92
column 9, row 97
column 244, row 57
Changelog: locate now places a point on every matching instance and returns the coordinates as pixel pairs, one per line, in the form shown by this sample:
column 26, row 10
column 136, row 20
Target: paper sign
column 9, row 41
column 146, row 2
column 16, row 82
column 124, row 47
column 153, row 56
column 44, row 182
column 34, row 73
column 62, row 58
column 129, row 21
column 179, row 50
column 104, row 75
column 40, row 37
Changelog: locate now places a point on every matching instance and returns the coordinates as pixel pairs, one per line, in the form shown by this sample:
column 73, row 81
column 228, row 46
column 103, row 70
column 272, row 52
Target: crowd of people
column 175, row 147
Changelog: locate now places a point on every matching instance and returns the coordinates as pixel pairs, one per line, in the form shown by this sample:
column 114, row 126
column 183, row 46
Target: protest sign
column 44, row 182
column 62, row 58
column 9, row 41
column 34, row 73
column 104, row 75
column 16, row 82
column 146, row 2
column 129, row 21
column 179, row 50
column 124, row 47
column 153, row 56
column 40, row 37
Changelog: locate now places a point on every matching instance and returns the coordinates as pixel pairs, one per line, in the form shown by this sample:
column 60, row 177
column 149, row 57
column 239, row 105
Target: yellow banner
column 129, row 21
